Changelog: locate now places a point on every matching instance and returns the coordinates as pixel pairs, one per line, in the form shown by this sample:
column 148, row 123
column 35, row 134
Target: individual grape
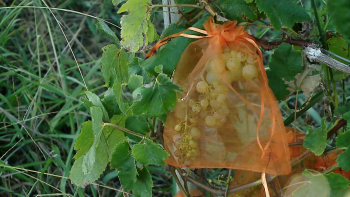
column 214, row 103
column 192, row 144
column 178, row 143
column 177, row 153
column 235, row 75
column 215, row 84
column 213, row 94
column 177, row 127
column 181, row 160
column 193, row 120
column 204, row 103
column 233, row 64
column 188, row 154
column 195, row 133
column 221, row 98
column 223, row 119
column 217, row 65
column 202, row 87
column 201, row 97
column 249, row 72
column 234, row 53
column 196, row 108
column 211, row 78
column 250, row 59
column 210, row 121
column 203, row 114
column 221, row 89
column 217, row 115
column 191, row 102
column 242, row 56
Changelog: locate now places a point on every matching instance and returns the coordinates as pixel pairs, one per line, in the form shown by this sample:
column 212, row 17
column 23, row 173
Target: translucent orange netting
column 227, row 116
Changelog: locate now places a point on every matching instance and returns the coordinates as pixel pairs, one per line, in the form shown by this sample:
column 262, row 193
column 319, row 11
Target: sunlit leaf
column 149, row 153
column 135, row 81
column 84, row 140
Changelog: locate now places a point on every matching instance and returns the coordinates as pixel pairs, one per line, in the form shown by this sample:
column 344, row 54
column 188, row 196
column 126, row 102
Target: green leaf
column 158, row 99
column 135, row 25
column 115, row 136
column 170, row 54
column 149, row 153
column 137, row 124
column 339, row 46
column 344, row 160
column 136, row 69
column 282, row 12
column 236, row 9
column 110, row 103
column 186, row 9
column 84, row 140
column 339, row 11
column 337, row 181
column 314, row 186
column 135, row 81
column 158, row 69
column 95, row 100
column 342, row 109
column 97, row 123
column 346, row 116
column 316, row 139
column 81, row 179
column 114, row 65
column 285, row 64
column 248, row 1
column 151, row 33
column 123, row 161
column 343, row 140
column 144, row 184
column 101, row 25
column 117, row 2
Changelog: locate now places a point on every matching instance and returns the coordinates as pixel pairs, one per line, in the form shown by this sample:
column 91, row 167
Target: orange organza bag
column 227, row 116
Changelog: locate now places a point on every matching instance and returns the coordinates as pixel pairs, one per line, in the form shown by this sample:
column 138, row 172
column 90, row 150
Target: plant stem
column 228, row 182
column 172, row 170
column 125, row 130
column 317, row 20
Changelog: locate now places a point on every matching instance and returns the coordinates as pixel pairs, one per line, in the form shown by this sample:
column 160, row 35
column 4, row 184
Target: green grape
column 242, row 56
column 235, row 75
column 188, row 154
column 193, row 144
column 221, row 98
column 214, row 103
column 201, row 97
column 223, row 119
column 178, row 143
column 234, row 54
column 195, row 133
column 191, row 102
column 233, row 64
column 251, row 59
column 211, row 78
column 177, row 153
column 202, row 87
column 203, row 114
column 204, row 103
column 249, row 72
column 196, row 108
column 193, row 120
column 215, row 84
column 210, row 121
column 177, row 127
column 217, row 115
column 217, row 65
column 226, row 56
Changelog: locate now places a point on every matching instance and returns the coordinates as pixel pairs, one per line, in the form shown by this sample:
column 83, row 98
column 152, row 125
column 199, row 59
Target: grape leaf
column 137, row 124
column 113, row 135
column 97, row 126
column 316, row 185
column 79, row 178
column 285, row 64
column 151, row 33
column 343, row 140
column 144, row 184
column 157, row 99
column 346, row 116
column 339, row 11
column 344, row 160
column 84, row 140
column 123, row 161
column 316, row 139
column 342, row 109
column 339, row 46
column 136, row 69
column 114, row 65
column 337, row 181
column 135, row 81
column 135, row 25
column 95, row 100
column 282, row 12
column 101, row 25
column 149, row 153
column 236, row 9
column 110, row 103
column 170, row 54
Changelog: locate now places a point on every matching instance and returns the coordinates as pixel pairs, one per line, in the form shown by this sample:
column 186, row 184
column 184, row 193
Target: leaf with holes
column 149, row 153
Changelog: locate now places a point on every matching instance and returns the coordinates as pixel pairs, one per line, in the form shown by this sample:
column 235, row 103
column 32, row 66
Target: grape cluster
column 209, row 101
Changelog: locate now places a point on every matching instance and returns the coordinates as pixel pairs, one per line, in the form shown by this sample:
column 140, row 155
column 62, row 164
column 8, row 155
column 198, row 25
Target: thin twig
column 177, row 5
column 172, row 170
column 125, row 130
column 228, row 182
